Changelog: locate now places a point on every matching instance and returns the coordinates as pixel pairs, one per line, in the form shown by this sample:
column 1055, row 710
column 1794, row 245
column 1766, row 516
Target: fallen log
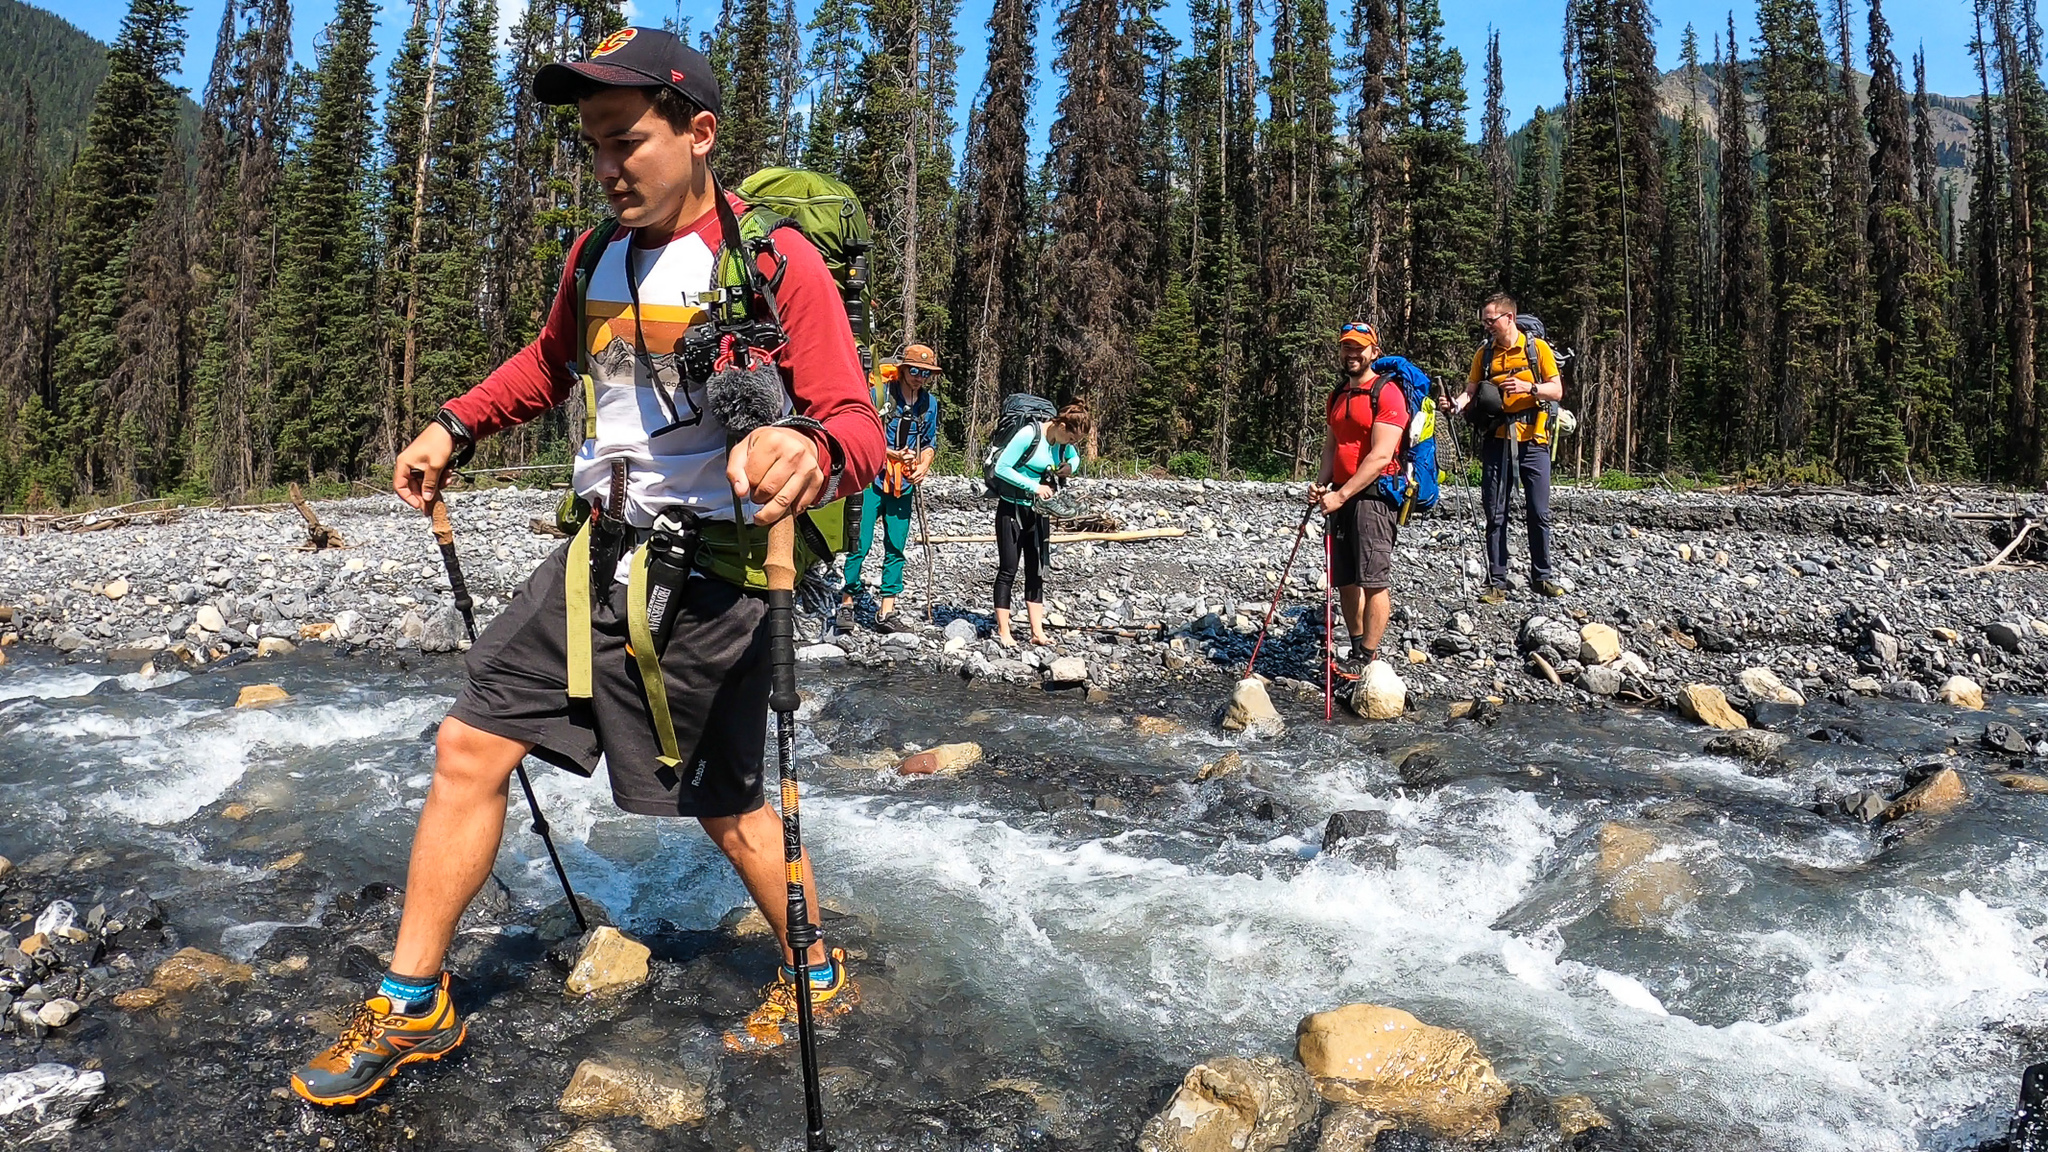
column 1997, row 563
column 1066, row 537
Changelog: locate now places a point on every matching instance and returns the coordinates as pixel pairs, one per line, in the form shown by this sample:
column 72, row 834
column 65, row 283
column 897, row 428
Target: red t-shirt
column 1351, row 421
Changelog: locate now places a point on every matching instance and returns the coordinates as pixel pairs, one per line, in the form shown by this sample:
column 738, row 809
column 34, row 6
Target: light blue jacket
column 1027, row 472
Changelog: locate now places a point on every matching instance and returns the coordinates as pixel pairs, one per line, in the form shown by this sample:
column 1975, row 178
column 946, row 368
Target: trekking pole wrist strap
column 465, row 442
column 835, row 473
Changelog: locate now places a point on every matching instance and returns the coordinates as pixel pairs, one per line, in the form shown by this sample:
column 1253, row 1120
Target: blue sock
column 409, row 994
column 822, row 975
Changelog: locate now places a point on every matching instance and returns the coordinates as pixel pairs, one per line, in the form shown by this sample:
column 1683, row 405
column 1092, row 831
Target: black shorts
column 716, row 666
column 1362, row 535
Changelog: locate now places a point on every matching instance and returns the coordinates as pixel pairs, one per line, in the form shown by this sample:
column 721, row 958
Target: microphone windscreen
column 746, row 395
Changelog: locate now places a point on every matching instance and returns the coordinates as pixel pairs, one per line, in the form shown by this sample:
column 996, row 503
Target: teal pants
column 895, row 514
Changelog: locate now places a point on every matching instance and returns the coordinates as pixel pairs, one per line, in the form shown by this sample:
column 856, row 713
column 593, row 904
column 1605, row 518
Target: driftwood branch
column 1998, row 563
column 318, row 535
column 1066, row 537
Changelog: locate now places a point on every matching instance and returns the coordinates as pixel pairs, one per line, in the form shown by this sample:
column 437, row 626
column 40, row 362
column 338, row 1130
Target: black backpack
column 1019, row 409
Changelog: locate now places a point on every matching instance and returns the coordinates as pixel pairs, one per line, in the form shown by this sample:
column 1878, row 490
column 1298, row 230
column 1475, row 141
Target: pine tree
column 1795, row 97
column 2025, row 107
column 1744, row 315
column 748, row 132
column 989, row 294
column 27, row 304
column 1848, row 431
column 1683, row 330
column 1493, row 146
column 1897, row 243
column 449, row 265
column 145, row 395
column 834, row 57
column 1985, row 304
column 113, row 187
column 1448, row 198
column 1609, row 216
column 1101, row 219
column 321, row 322
column 1524, row 271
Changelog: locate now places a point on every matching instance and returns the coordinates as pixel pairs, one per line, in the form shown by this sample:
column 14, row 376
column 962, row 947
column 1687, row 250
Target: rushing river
column 1049, row 941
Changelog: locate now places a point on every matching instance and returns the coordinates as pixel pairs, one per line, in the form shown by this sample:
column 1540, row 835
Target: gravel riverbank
column 1835, row 594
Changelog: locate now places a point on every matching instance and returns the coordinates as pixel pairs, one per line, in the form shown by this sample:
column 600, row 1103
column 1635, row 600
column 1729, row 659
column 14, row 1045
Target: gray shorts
column 1362, row 535
column 716, row 666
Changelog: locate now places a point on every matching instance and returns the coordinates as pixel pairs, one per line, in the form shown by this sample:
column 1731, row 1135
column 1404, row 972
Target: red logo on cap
column 614, row 42
column 675, row 76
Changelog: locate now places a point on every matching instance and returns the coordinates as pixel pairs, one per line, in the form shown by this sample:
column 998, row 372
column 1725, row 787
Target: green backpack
column 830, row 216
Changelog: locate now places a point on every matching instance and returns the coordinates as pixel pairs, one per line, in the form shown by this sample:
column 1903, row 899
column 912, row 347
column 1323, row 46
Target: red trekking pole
column 1329, row 636
column 1278, row 591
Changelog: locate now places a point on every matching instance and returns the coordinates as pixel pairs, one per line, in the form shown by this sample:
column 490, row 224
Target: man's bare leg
column 457, row 840
column 753, row 842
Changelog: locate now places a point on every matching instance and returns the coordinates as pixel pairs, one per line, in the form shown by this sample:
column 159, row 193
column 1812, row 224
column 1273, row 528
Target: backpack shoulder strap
column 595, row 242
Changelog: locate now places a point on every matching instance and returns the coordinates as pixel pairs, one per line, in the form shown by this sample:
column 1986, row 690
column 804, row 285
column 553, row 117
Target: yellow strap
column 576, row 592
column 589, row 406
column 644, row 653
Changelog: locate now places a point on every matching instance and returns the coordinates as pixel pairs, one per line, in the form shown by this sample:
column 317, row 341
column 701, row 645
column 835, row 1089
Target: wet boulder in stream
column 1705, row 704
column 660, row 1097
column 1380, row 694
column 1251, row 710
column 1939, row 793
column 1386, row 1061
column 45, row 1100
column 1234, row 1105
column 610, row 963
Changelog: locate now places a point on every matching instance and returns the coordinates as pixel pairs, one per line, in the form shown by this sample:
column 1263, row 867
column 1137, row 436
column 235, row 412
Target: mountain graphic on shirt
column 616, row 361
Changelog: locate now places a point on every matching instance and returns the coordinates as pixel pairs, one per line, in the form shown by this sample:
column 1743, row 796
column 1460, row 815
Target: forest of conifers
column 1800, row 273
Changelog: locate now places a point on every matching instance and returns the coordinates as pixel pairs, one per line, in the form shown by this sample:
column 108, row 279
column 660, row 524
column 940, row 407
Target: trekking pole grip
column 780, row 567
column 444, row 532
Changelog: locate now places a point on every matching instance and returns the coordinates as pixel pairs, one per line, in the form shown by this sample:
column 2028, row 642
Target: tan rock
column 1708, row 705
column 138, row 999
column 660, row 1097
column 275, row 646
column 747, row 923
column 1577, row 1115
column 1251, row 710
column 1157, row 726
column 1380, row 694
column 611, row 962
column 237, row 811
column 1417, row 656
column 1641, row 891
column 1349, row 1128
column 1763, row 684
column 34, row 944
column 1598, row 643
column 324, row 631
column 943, row 760
column 257, row 695
column 1939, row 793
column 1227, row 764
column 1962, row 692
column 1463, row 708
column 115, row 589
column 1234, row 1105
column 292, row 860
column 584, row 1140
column 1945, row 635
column 2024, row 782
column 189, row 968
column 1386, row 1061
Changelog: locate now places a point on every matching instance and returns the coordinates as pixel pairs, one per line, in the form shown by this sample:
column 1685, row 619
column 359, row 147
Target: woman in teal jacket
column 1025, row 468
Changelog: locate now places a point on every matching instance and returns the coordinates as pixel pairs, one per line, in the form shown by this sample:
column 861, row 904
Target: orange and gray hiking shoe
column 773, row 1024
column 376, row 1044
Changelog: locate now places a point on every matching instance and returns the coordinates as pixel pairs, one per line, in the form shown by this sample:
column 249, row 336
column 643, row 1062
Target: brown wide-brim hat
column 919, row 356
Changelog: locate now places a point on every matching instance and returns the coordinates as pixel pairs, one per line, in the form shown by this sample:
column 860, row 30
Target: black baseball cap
column 633, row 58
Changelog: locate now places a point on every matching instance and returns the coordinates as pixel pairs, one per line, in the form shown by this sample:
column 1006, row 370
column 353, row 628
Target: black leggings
column 1020, row 533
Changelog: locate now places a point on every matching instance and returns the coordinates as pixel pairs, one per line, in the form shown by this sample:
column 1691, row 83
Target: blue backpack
column 1415, row 488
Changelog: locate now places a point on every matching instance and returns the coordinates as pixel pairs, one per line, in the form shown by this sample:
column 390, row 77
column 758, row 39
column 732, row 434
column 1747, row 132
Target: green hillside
column 42, row 53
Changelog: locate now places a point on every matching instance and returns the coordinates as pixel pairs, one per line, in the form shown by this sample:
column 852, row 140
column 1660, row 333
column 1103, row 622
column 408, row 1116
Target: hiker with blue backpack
column 910, row 421
column 1032, row 448
column 1379, row 467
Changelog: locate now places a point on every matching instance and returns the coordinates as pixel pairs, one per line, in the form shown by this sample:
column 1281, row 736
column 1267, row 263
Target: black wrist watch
column 465, row 444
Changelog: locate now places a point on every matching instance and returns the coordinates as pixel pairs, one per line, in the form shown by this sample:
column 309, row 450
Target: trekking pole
column 444, row 535
column 1329, row 634
column 780, row 568
column 1300, row 533
column 924, row 528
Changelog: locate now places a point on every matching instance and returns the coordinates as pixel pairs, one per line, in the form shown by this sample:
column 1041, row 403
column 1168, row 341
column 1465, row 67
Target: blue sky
column 1531, row 36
